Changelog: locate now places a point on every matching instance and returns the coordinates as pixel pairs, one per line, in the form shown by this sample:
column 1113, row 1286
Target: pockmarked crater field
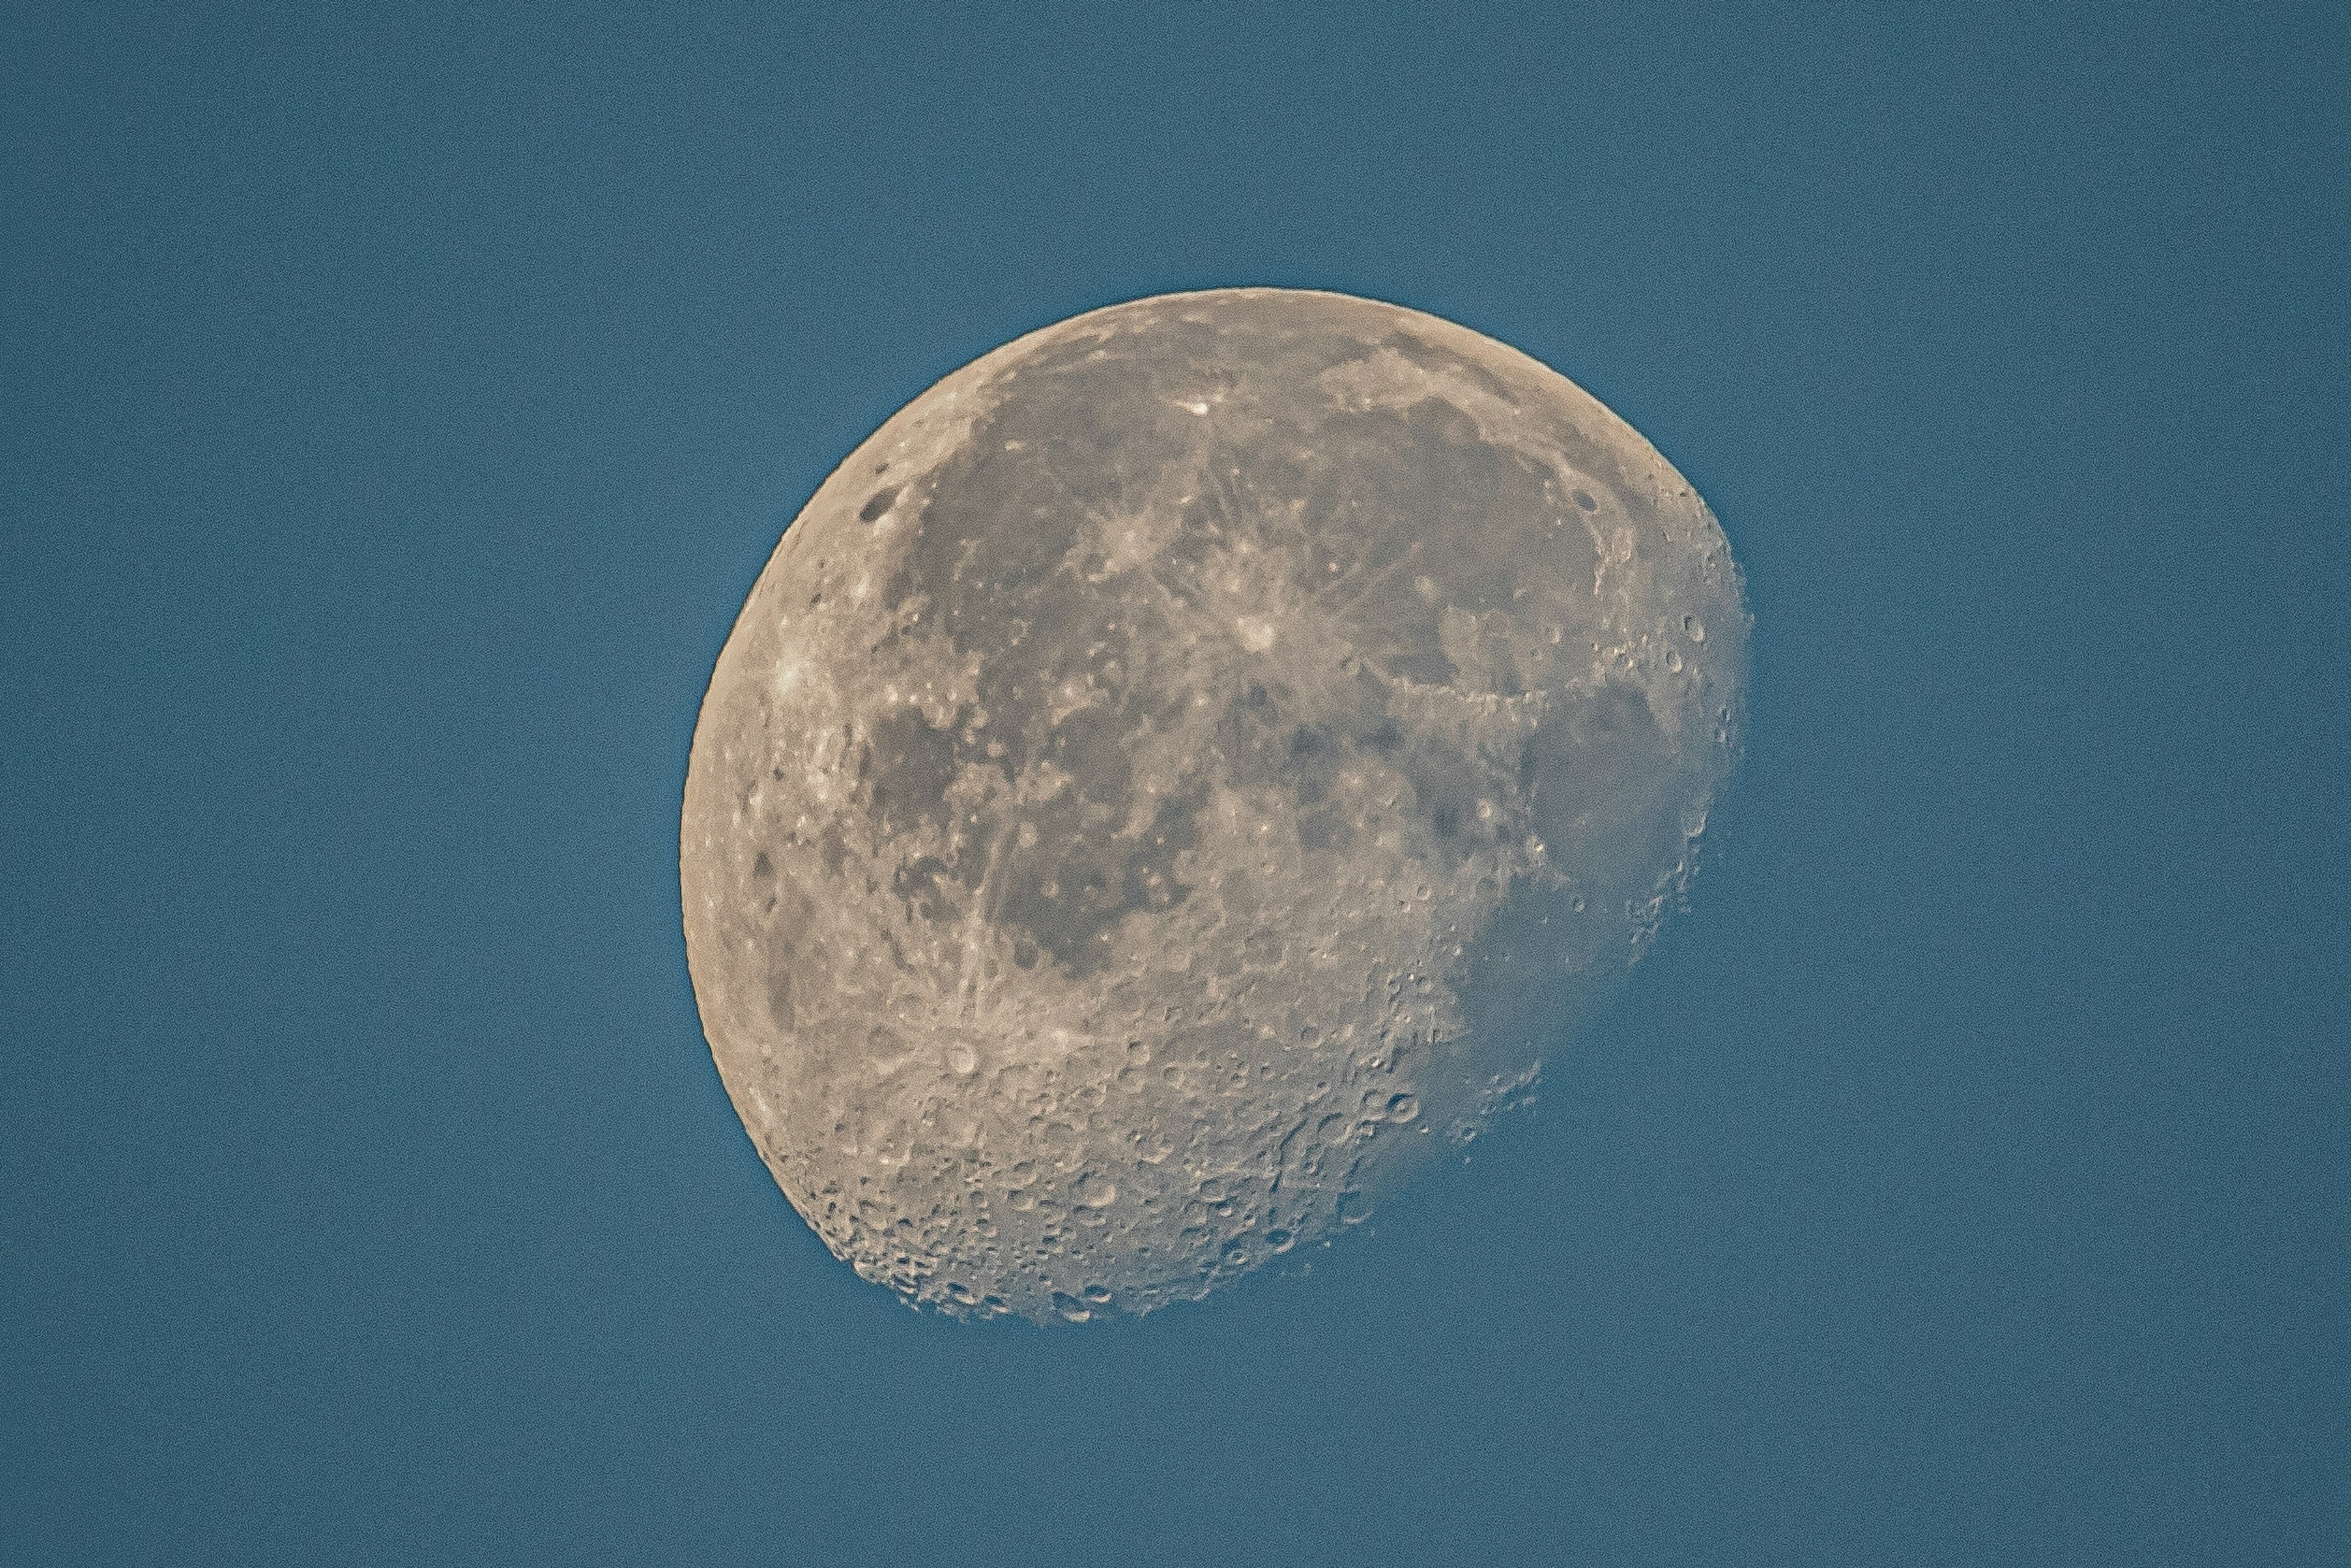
column 1180, row 777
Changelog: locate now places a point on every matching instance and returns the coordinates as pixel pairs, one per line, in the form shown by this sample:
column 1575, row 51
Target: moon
column 1177, row 780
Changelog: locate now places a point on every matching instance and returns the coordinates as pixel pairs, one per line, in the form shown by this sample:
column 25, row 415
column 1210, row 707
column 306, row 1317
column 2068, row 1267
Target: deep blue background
column 395, row 411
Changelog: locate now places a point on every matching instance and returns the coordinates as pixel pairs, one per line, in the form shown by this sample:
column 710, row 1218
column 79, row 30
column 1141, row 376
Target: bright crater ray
column 1179, row 777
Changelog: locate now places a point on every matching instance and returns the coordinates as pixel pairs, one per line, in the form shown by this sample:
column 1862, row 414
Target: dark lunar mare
column 1089, row 436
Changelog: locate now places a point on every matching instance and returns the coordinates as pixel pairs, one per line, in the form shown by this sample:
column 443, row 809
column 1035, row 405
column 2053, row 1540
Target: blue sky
column 399, row 401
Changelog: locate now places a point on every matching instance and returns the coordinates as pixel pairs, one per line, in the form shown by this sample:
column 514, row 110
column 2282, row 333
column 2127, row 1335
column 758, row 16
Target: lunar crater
column 1247, row 733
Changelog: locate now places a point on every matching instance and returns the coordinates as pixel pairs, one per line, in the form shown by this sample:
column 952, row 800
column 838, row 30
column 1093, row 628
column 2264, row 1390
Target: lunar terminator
column 1180, row 777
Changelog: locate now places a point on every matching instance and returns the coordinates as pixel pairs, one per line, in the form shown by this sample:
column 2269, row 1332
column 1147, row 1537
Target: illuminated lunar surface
column 1179, row 778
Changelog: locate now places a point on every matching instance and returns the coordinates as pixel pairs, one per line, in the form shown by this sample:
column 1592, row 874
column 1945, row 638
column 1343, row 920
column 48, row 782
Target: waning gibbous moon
column 1178, row 778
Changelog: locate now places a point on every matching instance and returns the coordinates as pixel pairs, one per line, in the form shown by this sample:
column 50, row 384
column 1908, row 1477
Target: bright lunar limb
column 1178, row 778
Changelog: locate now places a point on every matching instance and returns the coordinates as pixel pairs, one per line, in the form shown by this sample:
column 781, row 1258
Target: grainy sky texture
column 395, row 405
